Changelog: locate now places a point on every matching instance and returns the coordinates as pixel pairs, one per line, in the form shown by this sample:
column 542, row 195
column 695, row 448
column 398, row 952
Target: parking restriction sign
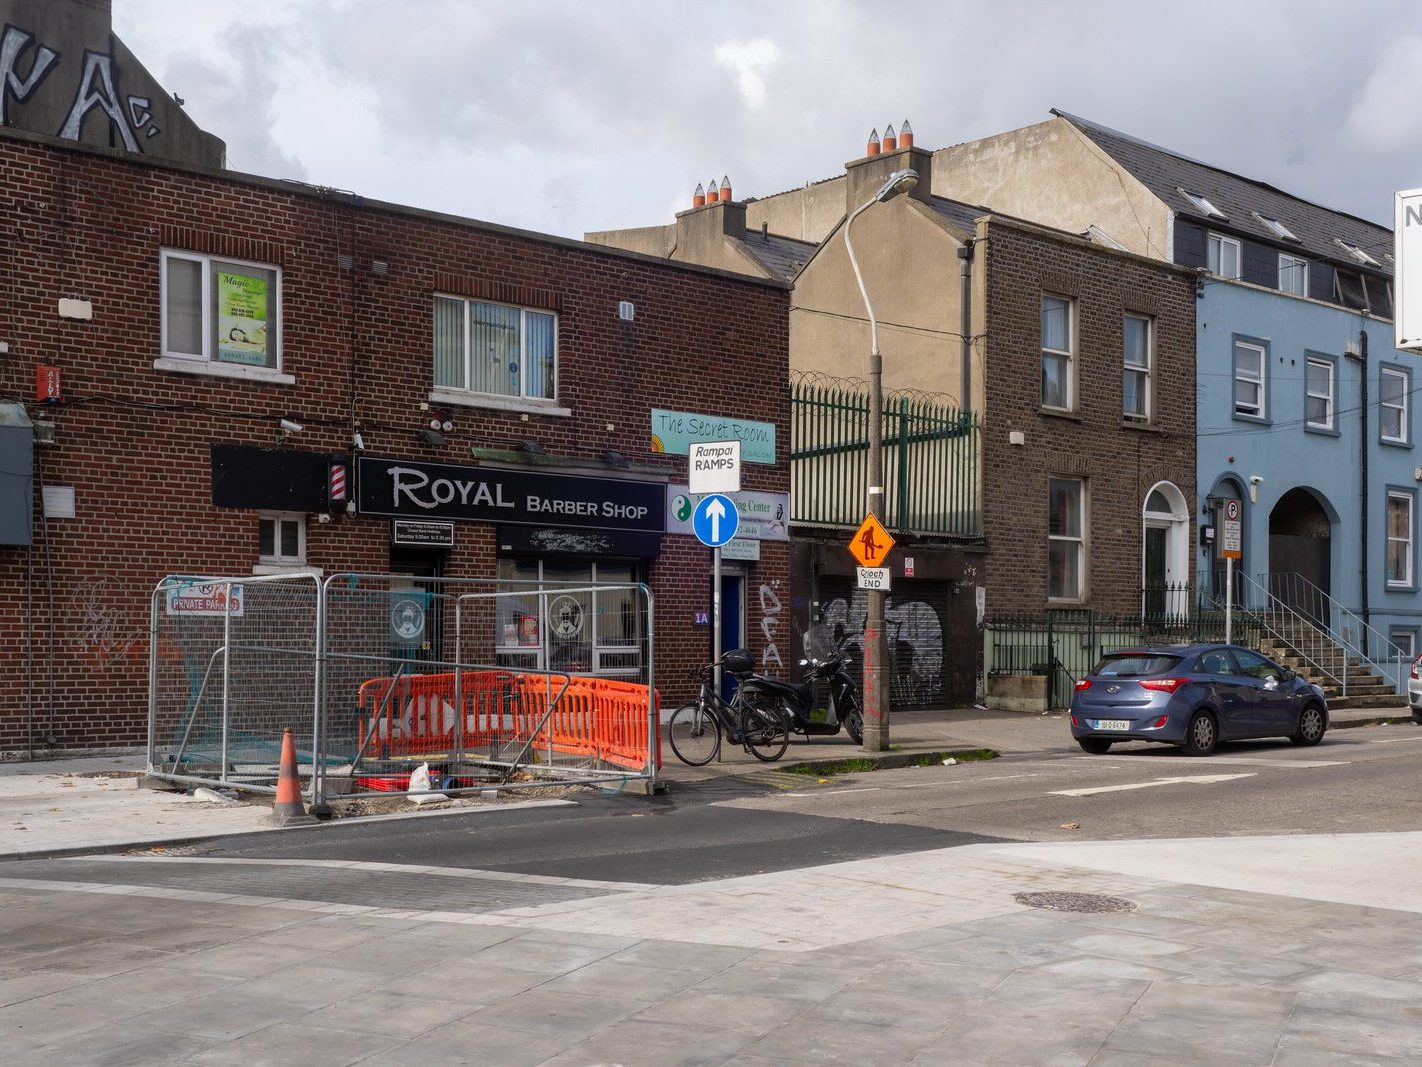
column 871, row 543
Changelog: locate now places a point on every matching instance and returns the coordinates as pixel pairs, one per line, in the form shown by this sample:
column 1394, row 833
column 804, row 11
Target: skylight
column 1278, row 228
column 1356, row 252
column 1202, row 204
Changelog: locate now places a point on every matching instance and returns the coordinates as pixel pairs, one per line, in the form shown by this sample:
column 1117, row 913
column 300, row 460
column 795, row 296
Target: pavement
column 1287, row 950
column 69, row 805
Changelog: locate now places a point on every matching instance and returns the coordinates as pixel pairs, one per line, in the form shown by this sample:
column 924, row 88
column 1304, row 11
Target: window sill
column 286, row 568
column 1400, row 587
column 1390, row 442
column 1323, row 431
column 499, row 403
column 1061, row 413
column 1142, row 426
column 1257, row 420
column 206, row 368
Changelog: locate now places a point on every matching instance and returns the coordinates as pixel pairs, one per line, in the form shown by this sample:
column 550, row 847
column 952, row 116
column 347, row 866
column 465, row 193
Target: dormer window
column 1276, row 227
column 1357, row 253
column 1202, row 204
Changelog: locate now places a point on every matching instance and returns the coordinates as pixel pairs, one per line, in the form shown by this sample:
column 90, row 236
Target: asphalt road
column 1357, row 780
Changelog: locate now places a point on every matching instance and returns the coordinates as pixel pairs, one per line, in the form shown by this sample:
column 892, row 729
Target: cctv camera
column 323, row 518
column 291, row 427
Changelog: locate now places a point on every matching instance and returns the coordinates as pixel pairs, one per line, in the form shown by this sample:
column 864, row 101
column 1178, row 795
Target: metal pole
column 226, row 671
column 152, row 676
column 876, row 712
column 1229, row 600
column 716, row 618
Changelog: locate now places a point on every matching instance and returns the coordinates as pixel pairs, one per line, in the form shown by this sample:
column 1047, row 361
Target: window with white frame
column 498, row 349
column 281, row 539
column 1399, row 538
column 1394, row 385
column 1318, row 389
column 1223, row 256
column 1057, row 341
column 1404, row 642
column 1137, row 355
column 221, row 310
column 1249, row 394
column 1066, row 538
column 1293, row 274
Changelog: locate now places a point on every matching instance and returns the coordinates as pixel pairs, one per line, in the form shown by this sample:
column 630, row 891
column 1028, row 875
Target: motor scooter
column 824, row 668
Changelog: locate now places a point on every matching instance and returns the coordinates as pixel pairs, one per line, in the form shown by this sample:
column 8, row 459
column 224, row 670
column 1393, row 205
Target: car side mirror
column 1287, row 674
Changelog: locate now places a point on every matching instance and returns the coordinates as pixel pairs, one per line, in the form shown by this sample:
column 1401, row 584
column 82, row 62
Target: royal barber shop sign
column 409, row 489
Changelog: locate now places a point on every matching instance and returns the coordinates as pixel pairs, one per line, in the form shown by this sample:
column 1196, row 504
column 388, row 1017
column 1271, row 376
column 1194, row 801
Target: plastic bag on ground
column 420, row 791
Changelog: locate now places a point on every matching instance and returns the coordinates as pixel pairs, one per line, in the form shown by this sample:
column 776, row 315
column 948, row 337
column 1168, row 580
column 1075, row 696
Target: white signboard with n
column 1407, row 251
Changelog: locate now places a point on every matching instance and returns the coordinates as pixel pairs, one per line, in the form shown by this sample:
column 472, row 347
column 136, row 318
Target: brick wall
column 133, row 441
column 1120, row 463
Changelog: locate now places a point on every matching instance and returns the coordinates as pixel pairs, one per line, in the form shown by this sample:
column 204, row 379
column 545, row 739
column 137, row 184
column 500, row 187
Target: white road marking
column 1394, row 740
column 1197, row 779
column 1245, row 761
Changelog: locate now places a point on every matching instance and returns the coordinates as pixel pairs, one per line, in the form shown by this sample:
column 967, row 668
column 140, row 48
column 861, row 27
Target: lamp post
column 876, row 704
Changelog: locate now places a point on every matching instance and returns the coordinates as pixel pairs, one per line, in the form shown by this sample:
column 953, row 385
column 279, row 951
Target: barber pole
column 338, row 483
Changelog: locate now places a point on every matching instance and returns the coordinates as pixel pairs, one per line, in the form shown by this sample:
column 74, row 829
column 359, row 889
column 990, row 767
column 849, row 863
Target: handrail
column 1300, row 633
column 1341, row 622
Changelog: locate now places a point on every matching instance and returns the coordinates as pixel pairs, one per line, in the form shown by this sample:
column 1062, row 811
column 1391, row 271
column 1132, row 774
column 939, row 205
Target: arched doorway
column 1226, row 489
column 1299, row 547
column 1165, row 551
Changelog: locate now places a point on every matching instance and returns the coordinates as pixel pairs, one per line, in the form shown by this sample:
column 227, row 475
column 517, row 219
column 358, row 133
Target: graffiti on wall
column 769, row 625
column 103, row 634
column 130, row 116
column 913, row 631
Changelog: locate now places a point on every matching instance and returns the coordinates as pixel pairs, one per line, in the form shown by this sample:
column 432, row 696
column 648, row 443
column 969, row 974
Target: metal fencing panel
column 490, row 683
column 232, row 664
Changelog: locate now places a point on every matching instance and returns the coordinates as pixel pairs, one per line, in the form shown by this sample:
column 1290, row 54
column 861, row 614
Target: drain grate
column 1090, row 902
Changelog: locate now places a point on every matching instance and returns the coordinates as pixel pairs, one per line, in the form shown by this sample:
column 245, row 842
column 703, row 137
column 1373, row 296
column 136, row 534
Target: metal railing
column 1065, row 644
column 930, row 461
column 1332, row 631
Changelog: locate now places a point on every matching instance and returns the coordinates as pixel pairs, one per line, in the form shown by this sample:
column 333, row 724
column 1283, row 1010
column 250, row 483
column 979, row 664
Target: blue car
column 1194, row 696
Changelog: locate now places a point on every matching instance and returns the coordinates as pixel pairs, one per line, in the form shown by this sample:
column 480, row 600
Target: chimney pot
column 891, row 142
column 711, row 194
column 905, row 135
column 698, row 198
column 725, row 188
column 873, row 149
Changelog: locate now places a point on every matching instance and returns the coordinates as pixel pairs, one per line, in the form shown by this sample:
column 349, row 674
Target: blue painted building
column 1282, row 428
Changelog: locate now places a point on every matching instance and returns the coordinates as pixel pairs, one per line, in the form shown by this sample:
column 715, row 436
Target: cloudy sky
column 565, row 116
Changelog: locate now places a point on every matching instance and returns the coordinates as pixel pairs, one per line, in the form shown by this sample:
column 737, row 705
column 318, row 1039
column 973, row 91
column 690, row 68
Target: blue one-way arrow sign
column 715, row 520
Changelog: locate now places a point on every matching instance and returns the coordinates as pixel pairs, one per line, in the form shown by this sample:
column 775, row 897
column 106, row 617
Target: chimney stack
column 905, row 135
column 725, row 188
column 873, row 149
column 891, row 142
column 698, row 198
column 711, row 196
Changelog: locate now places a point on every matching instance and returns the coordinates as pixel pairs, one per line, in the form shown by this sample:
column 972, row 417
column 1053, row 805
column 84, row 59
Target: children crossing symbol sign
column 871, row 543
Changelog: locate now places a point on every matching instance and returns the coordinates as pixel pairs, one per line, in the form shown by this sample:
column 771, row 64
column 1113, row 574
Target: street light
column 876, row 705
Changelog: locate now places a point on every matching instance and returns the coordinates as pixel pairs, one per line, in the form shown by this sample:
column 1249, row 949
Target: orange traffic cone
column 289, row 810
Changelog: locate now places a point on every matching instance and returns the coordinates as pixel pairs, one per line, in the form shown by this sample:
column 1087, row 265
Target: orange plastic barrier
column 415, row 715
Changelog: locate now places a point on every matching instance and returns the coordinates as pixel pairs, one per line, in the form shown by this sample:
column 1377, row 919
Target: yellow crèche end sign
column 871, row 543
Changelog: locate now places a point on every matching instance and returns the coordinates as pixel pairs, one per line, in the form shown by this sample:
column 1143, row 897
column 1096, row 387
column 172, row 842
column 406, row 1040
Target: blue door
column 732, row 604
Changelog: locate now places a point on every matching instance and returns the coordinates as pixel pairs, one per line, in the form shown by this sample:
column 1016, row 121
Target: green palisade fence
column 930, row 462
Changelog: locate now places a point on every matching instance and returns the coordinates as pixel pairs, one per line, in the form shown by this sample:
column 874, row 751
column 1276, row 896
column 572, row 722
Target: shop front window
column 563, row 620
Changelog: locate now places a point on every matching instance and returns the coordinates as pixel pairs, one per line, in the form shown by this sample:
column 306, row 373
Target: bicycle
column 695, row 730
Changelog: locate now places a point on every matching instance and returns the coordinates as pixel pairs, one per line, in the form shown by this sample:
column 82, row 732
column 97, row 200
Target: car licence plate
column 1113, row 724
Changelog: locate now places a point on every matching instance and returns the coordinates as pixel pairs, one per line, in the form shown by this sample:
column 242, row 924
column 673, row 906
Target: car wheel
column 1097, row 746
column 1311, row 726
column 1202, row 735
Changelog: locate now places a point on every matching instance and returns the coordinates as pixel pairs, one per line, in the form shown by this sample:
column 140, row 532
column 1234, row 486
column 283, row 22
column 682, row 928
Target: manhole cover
column 1094, row 902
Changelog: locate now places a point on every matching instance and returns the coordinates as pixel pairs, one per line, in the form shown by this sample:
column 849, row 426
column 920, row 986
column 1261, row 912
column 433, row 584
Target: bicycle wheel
column 765, row 731
column 695, row 734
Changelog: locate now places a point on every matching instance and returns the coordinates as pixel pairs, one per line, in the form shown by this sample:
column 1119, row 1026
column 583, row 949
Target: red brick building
column 225, row 342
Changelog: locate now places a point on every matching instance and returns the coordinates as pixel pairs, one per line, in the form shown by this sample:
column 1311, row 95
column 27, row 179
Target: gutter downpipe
column 1363, row 433
column 965, row 271
column 1362, row 360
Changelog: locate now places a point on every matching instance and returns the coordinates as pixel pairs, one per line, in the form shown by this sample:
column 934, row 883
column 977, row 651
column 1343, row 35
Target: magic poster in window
column 241, row 318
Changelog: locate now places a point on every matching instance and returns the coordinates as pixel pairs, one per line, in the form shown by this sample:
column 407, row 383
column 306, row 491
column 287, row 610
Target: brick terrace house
column 1074, row 356
column 214, row 343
